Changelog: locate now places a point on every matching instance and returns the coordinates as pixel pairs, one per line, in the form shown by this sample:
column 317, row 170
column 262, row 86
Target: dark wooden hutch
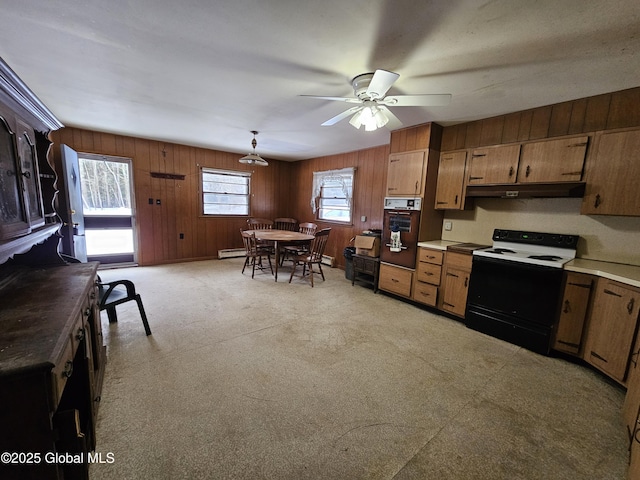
column 51, row 352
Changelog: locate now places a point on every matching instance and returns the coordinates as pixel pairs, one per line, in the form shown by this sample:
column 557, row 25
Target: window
column 225, row 192
column 332, row 195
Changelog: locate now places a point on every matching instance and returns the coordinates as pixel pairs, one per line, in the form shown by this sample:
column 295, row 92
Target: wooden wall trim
column 585, row 115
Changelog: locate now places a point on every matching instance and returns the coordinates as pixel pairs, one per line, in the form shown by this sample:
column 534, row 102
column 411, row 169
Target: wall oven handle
column 402, row 247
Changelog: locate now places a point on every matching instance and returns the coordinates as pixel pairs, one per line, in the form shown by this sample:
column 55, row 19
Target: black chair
column 111, row 294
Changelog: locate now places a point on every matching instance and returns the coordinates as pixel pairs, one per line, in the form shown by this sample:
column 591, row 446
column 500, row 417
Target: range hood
column 527, row 190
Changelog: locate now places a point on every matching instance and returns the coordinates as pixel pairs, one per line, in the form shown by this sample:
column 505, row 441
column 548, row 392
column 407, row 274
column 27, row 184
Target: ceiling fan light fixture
column 254, row 158
column 371, row 116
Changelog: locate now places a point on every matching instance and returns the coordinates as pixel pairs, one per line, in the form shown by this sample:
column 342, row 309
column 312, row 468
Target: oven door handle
column 393, row 212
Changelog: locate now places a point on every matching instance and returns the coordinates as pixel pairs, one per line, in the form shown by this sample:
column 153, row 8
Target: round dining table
column 280, row 238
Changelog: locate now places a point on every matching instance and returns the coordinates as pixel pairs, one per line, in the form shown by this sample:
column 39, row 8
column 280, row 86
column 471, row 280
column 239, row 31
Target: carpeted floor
column 253, row 379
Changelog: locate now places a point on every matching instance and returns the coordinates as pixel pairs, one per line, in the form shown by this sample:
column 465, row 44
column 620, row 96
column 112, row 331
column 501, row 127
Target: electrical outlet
column 363, row 218
column 448, row 226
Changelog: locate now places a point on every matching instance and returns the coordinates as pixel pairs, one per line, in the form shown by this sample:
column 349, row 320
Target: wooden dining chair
column 254, row 253
column 290, row 251
column 254, row 223
column 313, row 256
column 290, row 224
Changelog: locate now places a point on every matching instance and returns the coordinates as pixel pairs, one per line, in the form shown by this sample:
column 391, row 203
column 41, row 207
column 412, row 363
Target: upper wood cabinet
column 405, row 174
column 493, row 165
column 613, row 174
column 612, row 327
column 553, row 160
column 21, row 207
column 450, row 188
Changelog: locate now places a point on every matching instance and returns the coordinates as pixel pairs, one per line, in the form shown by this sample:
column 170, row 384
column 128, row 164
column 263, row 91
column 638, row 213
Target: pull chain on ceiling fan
column 370, row 90
column 254, row 158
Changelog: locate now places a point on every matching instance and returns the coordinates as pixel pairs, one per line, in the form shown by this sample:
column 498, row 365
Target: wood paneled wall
column 369, row 189
column 159, row 226
column 601, row 112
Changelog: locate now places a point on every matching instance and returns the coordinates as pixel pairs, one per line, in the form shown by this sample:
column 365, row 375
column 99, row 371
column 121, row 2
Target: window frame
column 233, row 173
column 319, row 179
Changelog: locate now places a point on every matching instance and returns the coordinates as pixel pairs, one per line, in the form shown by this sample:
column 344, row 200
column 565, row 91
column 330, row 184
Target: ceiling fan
column 372, row 112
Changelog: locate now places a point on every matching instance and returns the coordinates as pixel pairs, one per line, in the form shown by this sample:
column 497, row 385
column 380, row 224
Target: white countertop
column 437, row 244
column 629, row 274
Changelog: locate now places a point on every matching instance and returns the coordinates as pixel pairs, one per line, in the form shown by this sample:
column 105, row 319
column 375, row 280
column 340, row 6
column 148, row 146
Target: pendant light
column 254, row 158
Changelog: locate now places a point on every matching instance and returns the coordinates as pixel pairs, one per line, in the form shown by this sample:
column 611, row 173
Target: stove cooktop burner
column 501, row 250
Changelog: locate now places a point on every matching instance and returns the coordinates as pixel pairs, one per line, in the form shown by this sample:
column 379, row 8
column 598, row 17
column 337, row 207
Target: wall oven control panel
column 402, row 203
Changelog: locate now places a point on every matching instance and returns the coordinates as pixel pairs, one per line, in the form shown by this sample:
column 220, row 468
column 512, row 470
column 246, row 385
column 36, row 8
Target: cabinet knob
column 597, row 201
column 567, row 307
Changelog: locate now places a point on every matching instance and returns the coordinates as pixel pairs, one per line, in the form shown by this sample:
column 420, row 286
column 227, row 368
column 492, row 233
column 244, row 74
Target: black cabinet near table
column 366, row 269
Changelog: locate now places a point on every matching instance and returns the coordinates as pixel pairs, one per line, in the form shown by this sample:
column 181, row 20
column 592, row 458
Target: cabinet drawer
column 425, row 293
column 430, row 256
column 395, row 280
column 429, row 273
column 61, row 373
column 459, row 260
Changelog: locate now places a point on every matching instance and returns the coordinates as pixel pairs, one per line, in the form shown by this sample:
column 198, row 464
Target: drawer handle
column 571, row 173
column 452, row 275
column 479, row 155
column 80, row 334
column 575, row 345
column 577, row 145
column 609, row 292
column 394, row 280
column 475, row 178
column 527, row 171
column 581, row 285
column 68, row 369
column 594, row 354
column 466, row 281
column 426, row 294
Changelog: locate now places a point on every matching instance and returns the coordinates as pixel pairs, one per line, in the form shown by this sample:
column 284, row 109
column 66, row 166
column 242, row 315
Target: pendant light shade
column 254, row 158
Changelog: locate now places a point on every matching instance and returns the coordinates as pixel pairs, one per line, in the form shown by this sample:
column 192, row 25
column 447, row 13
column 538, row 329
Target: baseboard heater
column 231, row 253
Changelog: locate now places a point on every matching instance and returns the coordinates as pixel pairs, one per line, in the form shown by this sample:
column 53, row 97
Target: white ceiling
column 206, row 72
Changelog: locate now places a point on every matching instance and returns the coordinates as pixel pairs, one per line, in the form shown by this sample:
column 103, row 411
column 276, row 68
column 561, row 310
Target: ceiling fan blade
column 338, row 99
column 435, row 100
column 381, row 83
column 341, row 116
column 394, row 122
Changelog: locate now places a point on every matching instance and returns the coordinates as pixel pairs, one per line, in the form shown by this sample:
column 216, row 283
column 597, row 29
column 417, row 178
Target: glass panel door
column 107, row 198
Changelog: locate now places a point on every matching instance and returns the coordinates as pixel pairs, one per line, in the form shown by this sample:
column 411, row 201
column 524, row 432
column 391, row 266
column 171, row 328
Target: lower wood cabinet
column 427, row 277
column 455, row 283
column 573, row 312
column 612, row 327
column 395, row 279
column 51, row 376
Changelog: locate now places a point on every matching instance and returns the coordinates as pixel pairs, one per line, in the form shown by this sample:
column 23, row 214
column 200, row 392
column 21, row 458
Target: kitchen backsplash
column 605, row 238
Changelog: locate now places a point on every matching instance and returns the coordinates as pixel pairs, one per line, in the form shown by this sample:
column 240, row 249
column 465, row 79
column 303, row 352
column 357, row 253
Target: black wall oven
column 401, row 223
column 515, row 288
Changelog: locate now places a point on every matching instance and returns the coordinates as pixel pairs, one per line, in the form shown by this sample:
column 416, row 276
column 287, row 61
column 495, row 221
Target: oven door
column 517, row 302
column 407, row 222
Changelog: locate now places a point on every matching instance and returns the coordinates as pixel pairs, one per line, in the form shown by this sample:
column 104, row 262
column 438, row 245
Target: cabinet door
column 612, row 327
column 450, row 189
column 456, row 287
column 573, row 312
column 494, row 165
column 553, row 160
column 28, row 160
column 404, row 176
column 13, row 215
column 612, row 175
column 395, row 280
